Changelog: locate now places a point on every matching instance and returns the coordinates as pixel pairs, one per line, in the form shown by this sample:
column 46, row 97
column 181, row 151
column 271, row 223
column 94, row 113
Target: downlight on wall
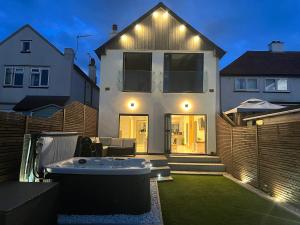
column 132, row 105
column 186, row 105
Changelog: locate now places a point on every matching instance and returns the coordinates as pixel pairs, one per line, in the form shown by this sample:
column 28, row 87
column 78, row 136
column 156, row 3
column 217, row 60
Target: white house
column 34, row 74
column 160, row 85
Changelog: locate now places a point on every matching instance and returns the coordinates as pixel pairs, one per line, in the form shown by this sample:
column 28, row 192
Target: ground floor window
column 188, row 134
column 135, row 126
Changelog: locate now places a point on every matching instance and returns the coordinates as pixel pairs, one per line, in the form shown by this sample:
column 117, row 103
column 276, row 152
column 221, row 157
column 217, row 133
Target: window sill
column 246, row 90
column 277, row 92
column 38, row 87
column 12, row 86
column 137, row 91
column 184, row 92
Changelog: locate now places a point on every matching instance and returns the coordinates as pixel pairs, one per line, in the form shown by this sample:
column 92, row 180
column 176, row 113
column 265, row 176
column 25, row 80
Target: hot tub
column 102, row 185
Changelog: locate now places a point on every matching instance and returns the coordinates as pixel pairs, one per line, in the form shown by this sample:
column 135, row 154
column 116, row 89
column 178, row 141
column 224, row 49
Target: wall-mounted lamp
column 186, row 106
column 166, row 14
column 259, row 122
column 138, row 27
column 132, row 105
column 155, row 14
column 196, row 38
column 182, row 27
column 124, row 37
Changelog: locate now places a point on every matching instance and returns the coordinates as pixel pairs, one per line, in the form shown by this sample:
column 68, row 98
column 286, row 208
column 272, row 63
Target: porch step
column 194, row 159
column 199, row 167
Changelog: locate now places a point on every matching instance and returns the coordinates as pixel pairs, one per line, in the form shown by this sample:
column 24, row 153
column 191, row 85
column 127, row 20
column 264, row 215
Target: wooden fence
column 75, row 117
column 267, row 157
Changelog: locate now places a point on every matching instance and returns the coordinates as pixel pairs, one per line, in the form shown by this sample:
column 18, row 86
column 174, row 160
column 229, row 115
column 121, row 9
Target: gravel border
column 154, row 217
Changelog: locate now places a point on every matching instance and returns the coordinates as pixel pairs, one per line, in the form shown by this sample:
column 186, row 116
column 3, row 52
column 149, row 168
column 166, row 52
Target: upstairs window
column 14, row 76
column 137, row 72
column 183, row 72
column 26, row 46
column 39, row 77
column 246, row 84
column 276, row 85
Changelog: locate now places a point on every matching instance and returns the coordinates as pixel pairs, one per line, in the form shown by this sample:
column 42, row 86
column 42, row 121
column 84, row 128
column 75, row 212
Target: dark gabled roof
column 31, row 102
column 84, row 76
column 264, row 63
column 101, row 50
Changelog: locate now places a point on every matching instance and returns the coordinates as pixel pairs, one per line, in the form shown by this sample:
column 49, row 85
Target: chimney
column 69, row 54
column 114, row 30
column 92, row 69
column 276, row 46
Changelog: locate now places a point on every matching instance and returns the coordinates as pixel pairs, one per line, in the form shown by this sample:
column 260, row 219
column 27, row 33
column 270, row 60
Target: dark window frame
column 124, row 89
column 29, row 46
column 165, row 71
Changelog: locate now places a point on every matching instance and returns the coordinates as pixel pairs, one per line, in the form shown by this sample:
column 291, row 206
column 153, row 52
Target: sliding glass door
column 188, row 134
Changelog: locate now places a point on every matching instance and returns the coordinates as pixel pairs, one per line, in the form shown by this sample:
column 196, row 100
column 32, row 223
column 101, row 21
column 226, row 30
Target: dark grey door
column 168, row 130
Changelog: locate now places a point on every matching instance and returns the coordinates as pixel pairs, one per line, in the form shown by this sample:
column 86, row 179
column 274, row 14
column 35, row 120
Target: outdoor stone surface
column 151, row 218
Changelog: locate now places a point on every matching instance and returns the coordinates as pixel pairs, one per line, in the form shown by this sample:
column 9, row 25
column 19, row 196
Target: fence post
column 257, row 155
column 26, row 125
column 84, row 108
column 63, row 120
column 231, row 149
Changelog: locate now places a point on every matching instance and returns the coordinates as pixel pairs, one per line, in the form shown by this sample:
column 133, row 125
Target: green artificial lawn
column 216, row 200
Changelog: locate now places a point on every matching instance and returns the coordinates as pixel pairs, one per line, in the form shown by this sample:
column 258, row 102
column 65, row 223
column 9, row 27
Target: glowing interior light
column 259, row 122
column 182, row 27
column 155, row 14
column 138, row 27
column 159, row 175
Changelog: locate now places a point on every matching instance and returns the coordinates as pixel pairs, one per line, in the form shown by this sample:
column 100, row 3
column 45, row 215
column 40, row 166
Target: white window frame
column 276, row 88
column 22, row 41
column 40, row 76
column 246, row 79
column 12, row 83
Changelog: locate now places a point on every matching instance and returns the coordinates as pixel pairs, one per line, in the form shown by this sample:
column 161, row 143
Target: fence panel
column 76, row 117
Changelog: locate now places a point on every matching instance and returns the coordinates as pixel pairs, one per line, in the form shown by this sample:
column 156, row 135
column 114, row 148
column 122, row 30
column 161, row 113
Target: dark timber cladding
column 160, row 29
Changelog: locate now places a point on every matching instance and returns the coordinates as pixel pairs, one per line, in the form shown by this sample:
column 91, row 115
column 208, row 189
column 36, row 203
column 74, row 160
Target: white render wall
column 157, row 103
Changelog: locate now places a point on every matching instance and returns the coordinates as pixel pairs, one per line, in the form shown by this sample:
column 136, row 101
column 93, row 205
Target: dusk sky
column 234, row 25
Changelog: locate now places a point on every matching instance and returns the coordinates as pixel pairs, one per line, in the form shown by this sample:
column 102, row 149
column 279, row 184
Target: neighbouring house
column 272, row 75
column 160, row 85
column 37, row 78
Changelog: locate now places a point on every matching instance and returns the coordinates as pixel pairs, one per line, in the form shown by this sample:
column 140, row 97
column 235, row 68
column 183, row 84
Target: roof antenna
column 77, row 40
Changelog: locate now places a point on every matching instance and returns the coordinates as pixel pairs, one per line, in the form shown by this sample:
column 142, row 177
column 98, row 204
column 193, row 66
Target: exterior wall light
column 124, row 37
column 259, row 122
column 197, row 38
column 186, row 106
column 166, row 14
column 155, row 14
column 138, row 27
column 182, row 27
column 132, row 105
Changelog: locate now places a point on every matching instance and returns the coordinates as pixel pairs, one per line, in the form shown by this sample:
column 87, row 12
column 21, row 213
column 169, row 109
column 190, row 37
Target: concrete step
column 159, row 162
column 199, row 167
column 194, row 159
column 162, row 171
